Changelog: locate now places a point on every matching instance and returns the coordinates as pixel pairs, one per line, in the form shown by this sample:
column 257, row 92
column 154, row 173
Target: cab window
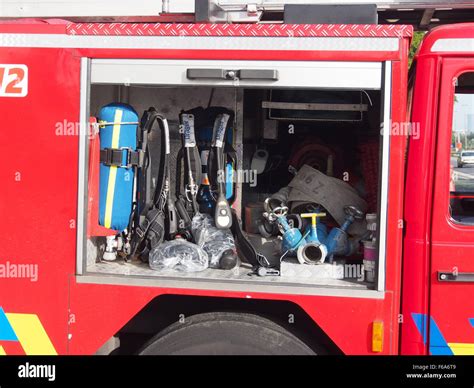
column 462, row 151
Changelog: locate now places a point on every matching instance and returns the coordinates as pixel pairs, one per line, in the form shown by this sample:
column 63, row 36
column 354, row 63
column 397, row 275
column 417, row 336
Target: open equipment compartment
column 280, row 107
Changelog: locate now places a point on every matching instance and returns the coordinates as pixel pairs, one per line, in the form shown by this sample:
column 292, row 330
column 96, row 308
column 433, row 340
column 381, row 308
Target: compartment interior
column 293, row 128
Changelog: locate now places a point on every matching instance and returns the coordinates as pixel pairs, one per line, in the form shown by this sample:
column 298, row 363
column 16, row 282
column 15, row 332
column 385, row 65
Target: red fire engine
column 58, row 297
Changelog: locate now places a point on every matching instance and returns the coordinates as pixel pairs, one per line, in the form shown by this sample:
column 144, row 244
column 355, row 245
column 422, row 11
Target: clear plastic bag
column 199, row 225
column 179, row 255
column 214, row 241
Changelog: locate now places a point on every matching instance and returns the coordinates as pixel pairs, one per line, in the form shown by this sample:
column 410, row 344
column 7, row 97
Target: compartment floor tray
column 240, row 274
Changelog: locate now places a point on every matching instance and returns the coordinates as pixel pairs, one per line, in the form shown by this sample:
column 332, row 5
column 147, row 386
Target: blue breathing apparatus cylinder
column 118, row 156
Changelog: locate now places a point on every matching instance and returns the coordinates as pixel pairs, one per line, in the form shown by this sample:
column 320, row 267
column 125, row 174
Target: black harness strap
column 246, row 249
column 149, row 230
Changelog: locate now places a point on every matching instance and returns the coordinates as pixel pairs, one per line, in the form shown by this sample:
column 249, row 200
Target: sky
column 464, row 113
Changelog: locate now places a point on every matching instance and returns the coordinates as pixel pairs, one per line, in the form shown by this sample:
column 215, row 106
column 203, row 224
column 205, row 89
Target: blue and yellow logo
column 437, row 343
column 27, row 330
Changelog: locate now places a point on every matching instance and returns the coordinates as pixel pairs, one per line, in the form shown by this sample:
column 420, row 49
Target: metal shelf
column 315, row 107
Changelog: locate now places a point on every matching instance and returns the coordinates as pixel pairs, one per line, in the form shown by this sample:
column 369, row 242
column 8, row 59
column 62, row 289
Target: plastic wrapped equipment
column 179, row 255
column 216, row 243
column 212, row 240
column 199, row 225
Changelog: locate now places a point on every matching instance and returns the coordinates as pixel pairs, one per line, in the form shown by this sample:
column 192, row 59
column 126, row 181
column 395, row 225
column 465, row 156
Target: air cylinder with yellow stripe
column 118, row 145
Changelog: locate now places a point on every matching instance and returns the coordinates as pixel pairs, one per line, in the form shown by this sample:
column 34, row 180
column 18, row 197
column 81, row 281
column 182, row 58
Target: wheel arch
column 164, row 310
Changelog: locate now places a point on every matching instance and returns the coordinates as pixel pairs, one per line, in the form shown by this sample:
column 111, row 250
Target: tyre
column 224, row 333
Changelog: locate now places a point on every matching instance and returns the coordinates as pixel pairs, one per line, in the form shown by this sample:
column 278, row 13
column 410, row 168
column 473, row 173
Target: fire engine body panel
column 76, row 310
column 436, row 303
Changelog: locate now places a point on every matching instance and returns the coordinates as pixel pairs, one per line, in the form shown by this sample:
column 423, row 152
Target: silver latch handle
column 257, row 74
column 461, row 277
column 207, row 73
column 229, row 74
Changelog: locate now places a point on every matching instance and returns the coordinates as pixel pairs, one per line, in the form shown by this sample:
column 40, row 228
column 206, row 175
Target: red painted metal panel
column 452, row 246
column 417, row 213
column 433, row 242
column 45, row 201
column 39, row 186
column 346, row 320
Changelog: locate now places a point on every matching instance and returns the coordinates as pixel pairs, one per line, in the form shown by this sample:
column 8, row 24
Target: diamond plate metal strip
column 229, row 30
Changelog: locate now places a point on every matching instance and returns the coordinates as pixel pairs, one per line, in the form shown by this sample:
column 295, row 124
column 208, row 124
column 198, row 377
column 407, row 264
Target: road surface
column 464, row 178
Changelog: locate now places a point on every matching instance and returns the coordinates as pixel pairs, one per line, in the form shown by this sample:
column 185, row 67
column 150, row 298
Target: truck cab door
column 451, row 320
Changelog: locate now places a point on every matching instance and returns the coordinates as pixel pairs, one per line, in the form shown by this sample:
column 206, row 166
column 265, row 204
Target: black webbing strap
column 121, row 157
